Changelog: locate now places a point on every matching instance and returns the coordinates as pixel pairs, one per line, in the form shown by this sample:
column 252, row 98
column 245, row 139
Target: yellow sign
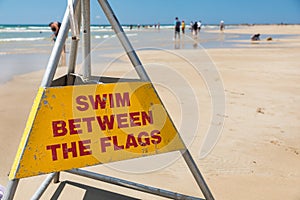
column 77, row 126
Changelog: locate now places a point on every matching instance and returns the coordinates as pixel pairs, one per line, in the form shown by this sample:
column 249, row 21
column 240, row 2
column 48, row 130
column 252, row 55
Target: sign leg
column 197, row 174
column 38, row 194
column 57, row 49
column 56, row 177
column 86, row 39
column 11, row 189
column 74, row 48
column 124, row 40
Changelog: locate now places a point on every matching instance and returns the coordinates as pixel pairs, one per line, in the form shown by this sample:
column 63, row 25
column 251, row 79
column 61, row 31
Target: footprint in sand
column 287, row 148
column 234, row 92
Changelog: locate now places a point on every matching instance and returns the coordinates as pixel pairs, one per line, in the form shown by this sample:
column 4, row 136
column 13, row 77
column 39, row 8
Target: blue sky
column 163, row 11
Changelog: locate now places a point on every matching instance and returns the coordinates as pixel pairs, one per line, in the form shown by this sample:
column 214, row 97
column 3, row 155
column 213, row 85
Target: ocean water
column 41, row 34
column 19, row 33
column 26, row 48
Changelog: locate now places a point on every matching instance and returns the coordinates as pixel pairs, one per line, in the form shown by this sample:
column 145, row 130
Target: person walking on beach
column 191, row 26
column 195, row 28
column 177, row 25
column 183, row 27
column 199, row 24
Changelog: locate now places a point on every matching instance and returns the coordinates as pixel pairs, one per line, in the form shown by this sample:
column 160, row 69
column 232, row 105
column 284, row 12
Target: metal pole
column 43, row 187
column 197, row 175
column 11, row 189
column 46, row 82
column 74, row 48
column 56, row 177
column 143, row 75
column 132, row 185
column 57, row 49
column 86, row 39
column 124, row 40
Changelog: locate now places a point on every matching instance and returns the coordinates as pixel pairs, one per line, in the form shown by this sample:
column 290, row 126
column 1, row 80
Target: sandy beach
column 257, row 155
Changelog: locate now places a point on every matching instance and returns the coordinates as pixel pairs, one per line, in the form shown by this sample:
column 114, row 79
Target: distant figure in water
column 255, row 37
column 195, row 29
column 222, row 25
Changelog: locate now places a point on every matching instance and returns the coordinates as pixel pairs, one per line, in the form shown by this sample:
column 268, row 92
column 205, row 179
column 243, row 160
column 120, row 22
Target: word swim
column 104, row 122
column 103, row 101
column 111, row 143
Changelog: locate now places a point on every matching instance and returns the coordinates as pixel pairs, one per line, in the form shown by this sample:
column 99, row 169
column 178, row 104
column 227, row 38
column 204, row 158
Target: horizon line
column 162, row 24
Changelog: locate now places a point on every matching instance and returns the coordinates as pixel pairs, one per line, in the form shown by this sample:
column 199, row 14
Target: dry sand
column 258, row 153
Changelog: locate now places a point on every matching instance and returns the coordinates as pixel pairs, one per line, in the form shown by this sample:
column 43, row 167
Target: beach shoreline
column 27, row 53
column 257, row 154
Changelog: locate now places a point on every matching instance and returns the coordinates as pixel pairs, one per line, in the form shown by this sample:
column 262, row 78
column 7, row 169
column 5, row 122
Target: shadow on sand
column 91, row 192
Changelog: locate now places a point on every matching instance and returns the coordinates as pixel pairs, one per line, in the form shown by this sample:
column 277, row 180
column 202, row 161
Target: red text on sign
column 80, row 148
column 105, row 122
column 102, row 101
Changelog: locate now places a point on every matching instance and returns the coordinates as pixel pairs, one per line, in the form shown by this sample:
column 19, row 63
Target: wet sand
column 257, row 155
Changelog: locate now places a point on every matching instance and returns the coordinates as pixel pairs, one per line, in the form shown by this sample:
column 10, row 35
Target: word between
column 105, row 122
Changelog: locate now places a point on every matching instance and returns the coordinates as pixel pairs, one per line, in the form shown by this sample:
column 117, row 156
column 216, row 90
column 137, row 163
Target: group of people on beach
column 195, row 27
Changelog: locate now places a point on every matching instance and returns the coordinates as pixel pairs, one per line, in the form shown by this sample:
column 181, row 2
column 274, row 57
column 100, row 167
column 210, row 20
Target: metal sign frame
column 82, row 8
